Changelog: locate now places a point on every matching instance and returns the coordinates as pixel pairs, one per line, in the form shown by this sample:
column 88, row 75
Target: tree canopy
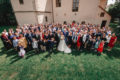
column 114, row 10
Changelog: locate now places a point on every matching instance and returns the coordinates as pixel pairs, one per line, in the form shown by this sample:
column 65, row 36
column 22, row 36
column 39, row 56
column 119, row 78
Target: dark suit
column 57, row 39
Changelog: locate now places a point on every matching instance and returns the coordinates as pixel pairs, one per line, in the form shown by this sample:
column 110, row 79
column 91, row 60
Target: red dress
column 100, row 47
column 111, row 42
column 78, row 42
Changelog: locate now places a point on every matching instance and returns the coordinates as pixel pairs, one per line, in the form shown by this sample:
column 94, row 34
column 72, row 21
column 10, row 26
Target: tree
column 114, row 11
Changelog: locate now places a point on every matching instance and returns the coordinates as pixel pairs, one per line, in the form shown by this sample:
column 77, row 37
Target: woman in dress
column 62, row 45
column 112, row 42
column 22, row 41
column 7, row 43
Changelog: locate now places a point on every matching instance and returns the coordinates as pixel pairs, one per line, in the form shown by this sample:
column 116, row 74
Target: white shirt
column 84, row 38
column 35, row 44
column 108, row 39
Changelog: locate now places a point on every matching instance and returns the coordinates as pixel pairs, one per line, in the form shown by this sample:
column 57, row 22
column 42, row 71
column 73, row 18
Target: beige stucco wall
column 26, row 18
column 106, row 17
column 35, row 11
column 43, row 5
column 41, row 18
column 44, row 8
column 27, row 6
column 103, row 3
column 87, row 11
column 32, row 11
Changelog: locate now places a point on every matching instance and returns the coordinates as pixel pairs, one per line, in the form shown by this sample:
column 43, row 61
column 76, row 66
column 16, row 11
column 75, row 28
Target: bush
column 115, row 29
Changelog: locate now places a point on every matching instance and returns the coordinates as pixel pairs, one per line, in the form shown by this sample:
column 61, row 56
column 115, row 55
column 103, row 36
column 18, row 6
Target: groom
column 65, row 33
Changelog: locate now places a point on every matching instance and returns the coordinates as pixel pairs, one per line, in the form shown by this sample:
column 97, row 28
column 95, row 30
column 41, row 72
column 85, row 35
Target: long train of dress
column 63, row 47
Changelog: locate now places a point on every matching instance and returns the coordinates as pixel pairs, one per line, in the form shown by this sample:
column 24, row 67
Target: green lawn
column 84, row 65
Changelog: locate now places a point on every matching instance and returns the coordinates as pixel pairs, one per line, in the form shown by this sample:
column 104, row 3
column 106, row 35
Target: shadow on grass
column 15, row 59
column 10, row 53
column 55, row 52
column 31, row 54
column 115, row 53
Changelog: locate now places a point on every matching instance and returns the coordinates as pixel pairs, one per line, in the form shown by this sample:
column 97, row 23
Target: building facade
column 60, row 11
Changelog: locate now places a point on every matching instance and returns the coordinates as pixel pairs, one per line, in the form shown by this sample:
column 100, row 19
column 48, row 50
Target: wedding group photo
column 59, row 40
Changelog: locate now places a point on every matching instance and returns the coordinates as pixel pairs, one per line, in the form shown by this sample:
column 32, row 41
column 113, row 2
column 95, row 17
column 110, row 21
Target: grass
column 84, row 65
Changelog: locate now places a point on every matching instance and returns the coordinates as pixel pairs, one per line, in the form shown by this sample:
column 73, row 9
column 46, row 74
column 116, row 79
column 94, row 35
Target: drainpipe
column 52, row 11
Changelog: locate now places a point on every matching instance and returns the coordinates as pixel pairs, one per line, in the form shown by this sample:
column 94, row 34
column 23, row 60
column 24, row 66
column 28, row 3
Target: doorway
column 103, row 24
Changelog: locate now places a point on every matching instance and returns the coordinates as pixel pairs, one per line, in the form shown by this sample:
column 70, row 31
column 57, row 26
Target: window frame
column 58, row 3
column 75, row 6
column 102, row 14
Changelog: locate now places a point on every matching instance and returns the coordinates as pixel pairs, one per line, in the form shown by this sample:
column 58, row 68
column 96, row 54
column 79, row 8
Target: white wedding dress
column 62, row 46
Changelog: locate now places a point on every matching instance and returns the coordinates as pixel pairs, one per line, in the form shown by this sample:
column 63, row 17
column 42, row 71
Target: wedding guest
column 97, row 43
column 22, row 41
column 74, row 38
column 7, row 43
column 108, row 37
column 57, row 38
column 112, row 41
column 93, row 42
column 51, row 45
column 21, row 50
column 15, row 43
column 35, row 45
column 79, row 42
column 90, row 43
column 69, row 40
column 100, row 47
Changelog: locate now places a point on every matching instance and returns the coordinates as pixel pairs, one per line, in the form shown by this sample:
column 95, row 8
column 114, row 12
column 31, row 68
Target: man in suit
column 29, row 39
column 57, row 39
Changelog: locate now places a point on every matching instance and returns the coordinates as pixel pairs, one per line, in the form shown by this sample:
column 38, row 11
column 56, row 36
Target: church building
column 60, row 11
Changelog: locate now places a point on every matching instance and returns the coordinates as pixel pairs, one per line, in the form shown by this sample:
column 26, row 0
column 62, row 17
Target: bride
column 62, row 45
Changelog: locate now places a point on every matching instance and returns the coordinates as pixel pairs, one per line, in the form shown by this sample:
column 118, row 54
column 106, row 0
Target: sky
column 111, row 2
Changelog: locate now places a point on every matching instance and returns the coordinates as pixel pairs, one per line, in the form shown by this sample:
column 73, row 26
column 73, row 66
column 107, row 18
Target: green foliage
column 6, row 27
column 113, row 25
column 115, row 29
column 114, row 10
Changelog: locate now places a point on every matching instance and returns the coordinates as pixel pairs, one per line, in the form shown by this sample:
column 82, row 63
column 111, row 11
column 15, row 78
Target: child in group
column 15, row 43
column 97, row 43
column 35, row 45
column 21, row 51
column 100, row 47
